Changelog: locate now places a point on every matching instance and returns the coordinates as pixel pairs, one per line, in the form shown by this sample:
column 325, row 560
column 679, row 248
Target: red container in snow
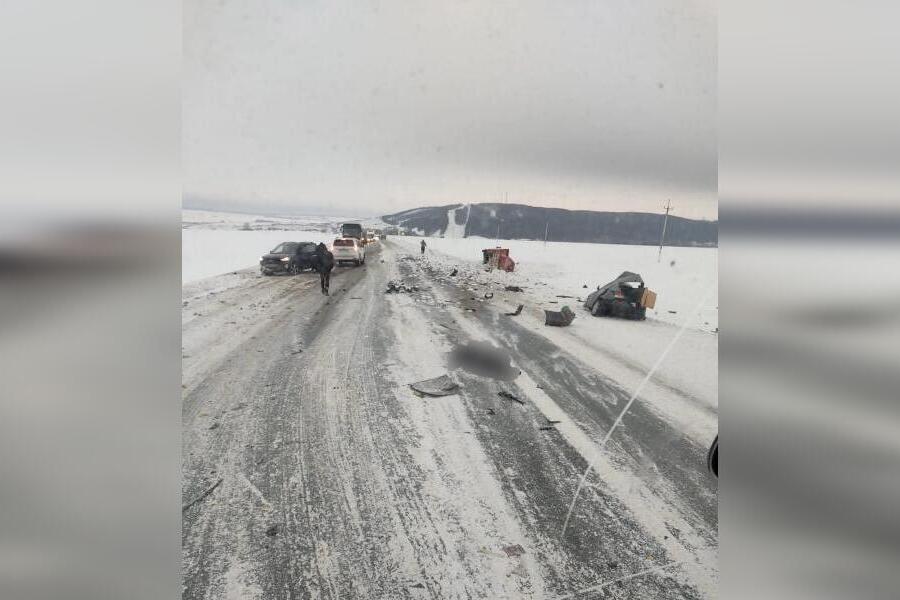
column 498, row 258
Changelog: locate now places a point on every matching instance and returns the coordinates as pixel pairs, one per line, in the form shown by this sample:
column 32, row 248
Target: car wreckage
column 624, row 297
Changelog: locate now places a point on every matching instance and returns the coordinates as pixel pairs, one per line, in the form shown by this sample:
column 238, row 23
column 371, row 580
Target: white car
column 348, row 250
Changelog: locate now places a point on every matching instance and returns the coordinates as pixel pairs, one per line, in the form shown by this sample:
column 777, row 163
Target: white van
column 348, row 250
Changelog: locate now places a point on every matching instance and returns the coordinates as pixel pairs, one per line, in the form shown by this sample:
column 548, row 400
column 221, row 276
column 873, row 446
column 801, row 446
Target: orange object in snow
column 498, row 258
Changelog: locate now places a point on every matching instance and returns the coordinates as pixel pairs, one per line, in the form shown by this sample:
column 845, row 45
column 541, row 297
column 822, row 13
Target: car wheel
column 356, row 263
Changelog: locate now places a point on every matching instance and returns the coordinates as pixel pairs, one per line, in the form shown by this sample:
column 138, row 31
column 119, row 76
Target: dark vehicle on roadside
column 624, row 297
column 288, row 257
column 353, row 230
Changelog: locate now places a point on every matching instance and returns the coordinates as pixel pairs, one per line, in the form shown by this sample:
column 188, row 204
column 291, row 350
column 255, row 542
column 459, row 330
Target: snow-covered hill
column 518, row 221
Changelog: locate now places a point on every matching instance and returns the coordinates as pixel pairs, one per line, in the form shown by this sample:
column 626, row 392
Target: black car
column 289, row 257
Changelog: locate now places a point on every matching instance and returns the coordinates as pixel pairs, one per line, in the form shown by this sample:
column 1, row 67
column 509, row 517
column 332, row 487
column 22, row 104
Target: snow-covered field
column 213, row 243
column 683, row 277
column 205, row 219
column 209, row 252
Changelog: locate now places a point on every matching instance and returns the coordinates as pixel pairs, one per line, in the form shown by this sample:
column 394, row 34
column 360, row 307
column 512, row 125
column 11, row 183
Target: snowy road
column 331, row 479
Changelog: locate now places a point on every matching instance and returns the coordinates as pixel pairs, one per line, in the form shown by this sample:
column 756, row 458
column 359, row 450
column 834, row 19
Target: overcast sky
column 374, row 107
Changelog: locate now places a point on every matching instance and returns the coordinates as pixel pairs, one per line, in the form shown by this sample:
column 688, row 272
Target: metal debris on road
column 510, row 396
column 561, row 318
column 439, row 386
column 517, row 312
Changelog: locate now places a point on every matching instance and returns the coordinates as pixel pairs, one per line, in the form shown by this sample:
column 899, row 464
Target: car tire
column 356, row 263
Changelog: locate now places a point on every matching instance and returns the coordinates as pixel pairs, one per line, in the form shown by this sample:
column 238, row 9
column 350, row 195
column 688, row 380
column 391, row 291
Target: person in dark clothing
column 423, row 246
column 324, row 265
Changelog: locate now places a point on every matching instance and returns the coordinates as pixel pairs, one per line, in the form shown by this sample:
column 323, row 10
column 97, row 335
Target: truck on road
column 353, row 230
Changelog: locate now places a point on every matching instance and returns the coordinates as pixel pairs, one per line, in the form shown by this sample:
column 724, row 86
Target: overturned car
column 624, row 297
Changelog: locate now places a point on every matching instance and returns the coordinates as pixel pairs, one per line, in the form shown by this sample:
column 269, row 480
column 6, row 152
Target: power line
column 662, row 236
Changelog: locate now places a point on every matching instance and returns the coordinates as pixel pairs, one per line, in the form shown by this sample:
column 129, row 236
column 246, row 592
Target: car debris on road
column 516, row 312
column 498, row 258
column 510, row 396
column 561, row 318
column 400, row 288
column 625, row 297
column 436, row 387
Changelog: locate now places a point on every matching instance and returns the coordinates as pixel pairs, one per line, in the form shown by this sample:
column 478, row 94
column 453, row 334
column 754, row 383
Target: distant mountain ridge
column 519, row 221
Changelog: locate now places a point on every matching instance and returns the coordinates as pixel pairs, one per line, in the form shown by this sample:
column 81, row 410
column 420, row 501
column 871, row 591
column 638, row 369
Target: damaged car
column 625, row 297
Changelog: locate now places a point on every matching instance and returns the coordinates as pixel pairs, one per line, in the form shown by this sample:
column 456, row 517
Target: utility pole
column 546, row 231
column 662, row 237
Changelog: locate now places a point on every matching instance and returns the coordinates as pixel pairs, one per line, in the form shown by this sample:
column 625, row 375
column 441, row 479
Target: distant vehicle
column 350, row 250
column 288, row 257
column 353, row 230
column 625, row 297
column 370, row 236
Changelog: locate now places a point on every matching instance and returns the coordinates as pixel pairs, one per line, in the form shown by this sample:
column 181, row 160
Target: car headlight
column 285, row 259
column 262, row 258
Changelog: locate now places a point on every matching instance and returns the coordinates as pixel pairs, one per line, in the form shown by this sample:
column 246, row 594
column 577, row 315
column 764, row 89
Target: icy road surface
column 329, row 478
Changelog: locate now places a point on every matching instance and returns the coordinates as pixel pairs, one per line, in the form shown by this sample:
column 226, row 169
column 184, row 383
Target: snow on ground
column 562, row 268
column 627, row 350
column 205, row 219
column 209, row 252
column 213, row 243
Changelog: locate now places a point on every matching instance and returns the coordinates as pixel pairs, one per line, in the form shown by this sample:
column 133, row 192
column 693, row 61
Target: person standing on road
column 423, row 246
column 324, row 265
